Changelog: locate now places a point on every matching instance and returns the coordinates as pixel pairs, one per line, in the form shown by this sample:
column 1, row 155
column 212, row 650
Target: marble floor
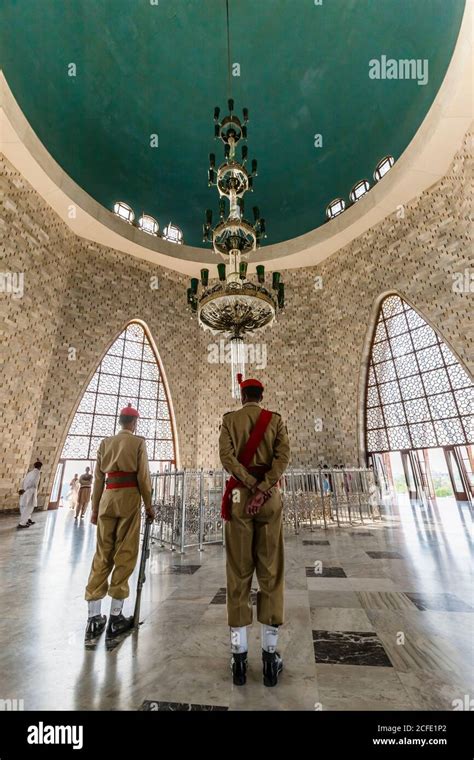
column 379, row 617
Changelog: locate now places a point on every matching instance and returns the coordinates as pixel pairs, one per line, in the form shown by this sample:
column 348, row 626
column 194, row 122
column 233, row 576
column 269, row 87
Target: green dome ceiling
column 144, row 69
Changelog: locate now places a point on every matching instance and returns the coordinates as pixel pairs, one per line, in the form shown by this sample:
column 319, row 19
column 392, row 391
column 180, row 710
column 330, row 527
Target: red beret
column 249, row 383
column 129, row 411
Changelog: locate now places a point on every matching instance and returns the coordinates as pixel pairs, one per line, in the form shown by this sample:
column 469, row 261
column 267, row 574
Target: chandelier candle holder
column 234, row 306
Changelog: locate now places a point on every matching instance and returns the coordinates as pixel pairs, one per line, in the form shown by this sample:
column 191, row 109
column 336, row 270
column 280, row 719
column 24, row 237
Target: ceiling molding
column 424, row 162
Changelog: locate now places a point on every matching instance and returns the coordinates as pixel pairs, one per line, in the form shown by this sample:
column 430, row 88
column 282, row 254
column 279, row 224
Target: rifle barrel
column 141, row 573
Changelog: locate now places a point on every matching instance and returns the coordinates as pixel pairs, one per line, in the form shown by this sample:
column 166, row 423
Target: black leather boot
column 272, row 667
column 118, row 624
column 239, row 668
column 94, row 629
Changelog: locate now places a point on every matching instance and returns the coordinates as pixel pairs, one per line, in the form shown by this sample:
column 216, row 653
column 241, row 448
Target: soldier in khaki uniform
column 254, row 532
column 122, row 467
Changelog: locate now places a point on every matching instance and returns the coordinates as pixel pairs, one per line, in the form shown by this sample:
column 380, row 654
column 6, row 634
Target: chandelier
column 234, row 306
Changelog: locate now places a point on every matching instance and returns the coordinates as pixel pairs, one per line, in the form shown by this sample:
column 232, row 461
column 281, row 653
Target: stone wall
column 76, row 295
column 81, row 295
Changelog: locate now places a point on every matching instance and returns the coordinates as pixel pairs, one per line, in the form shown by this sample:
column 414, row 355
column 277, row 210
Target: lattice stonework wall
column 418, row 394
column 79, row 296
column 129, row 373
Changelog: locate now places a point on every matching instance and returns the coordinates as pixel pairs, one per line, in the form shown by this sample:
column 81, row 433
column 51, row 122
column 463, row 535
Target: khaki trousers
column 118, row 537
column 255, row 542
column 83, row 499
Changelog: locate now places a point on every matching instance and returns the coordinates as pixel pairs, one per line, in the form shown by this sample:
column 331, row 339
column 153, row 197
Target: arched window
column 124, row 211
column 148, row 224
column 335, row 208
column 383, row 166
column 359, row 189
column 173, row 234
column 418, row 394
column 129, row 372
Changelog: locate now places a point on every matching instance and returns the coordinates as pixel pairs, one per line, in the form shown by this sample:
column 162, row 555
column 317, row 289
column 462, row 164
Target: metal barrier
column 188, row 508
column 317, row 498
column 188, row 503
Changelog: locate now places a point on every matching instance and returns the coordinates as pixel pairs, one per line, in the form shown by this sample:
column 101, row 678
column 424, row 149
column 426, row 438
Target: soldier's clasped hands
column 257, row 501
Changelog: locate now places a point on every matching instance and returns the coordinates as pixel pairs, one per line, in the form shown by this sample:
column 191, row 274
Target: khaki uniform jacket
column 273, row 451
column 125, row 452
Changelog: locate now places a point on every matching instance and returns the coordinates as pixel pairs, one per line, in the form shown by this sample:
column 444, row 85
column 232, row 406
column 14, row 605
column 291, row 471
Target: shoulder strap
column 255, row 437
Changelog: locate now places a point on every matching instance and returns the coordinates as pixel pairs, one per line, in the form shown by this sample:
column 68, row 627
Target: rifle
column 141, row 573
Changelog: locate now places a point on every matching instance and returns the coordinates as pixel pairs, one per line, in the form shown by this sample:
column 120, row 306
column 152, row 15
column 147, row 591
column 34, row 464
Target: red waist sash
column 120, row 479
column 245, row 458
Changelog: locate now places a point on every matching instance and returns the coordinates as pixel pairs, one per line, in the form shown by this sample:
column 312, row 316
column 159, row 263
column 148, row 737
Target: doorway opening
column 428, row 474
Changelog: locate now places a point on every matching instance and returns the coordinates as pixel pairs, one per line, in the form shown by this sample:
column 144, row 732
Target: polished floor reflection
column 379, row 617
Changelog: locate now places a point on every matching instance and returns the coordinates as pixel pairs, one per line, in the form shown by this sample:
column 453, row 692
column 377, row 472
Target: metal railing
column 188, row 503
column 188, row 508
column 317, row 498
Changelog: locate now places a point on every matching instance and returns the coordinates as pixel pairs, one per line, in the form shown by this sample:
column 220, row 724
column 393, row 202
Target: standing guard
column 122, row 467
column 255, row 450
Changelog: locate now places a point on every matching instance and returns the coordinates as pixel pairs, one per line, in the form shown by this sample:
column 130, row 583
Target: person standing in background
column 29, row 495
column 84, row 495
column 74, row 486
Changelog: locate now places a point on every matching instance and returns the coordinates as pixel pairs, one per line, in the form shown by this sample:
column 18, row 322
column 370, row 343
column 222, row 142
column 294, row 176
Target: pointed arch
column 130, row 371
column 416, row 392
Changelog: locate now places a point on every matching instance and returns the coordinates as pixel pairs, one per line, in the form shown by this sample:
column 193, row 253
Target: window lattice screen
column 128, row 373
column 418, row 394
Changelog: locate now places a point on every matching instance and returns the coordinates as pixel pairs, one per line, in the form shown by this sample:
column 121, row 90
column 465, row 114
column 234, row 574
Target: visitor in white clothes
column 29, row 495
column 73, row 494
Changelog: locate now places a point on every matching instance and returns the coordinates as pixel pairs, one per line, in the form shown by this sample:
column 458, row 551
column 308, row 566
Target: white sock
column 94, row 607
column 116, row 606
column 238, row 640
column 269, row 637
